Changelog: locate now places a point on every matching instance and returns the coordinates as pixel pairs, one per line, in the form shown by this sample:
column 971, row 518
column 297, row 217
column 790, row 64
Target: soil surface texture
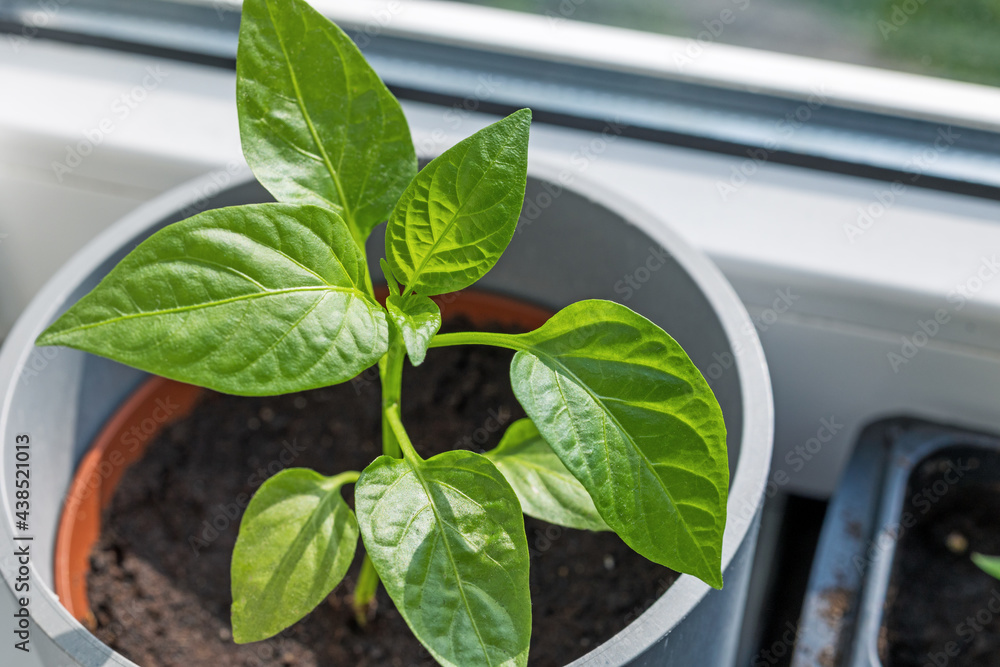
column 941, row 609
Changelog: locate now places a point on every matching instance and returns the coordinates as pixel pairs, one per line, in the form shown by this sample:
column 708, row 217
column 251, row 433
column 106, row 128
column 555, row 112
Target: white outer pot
column 571, row 244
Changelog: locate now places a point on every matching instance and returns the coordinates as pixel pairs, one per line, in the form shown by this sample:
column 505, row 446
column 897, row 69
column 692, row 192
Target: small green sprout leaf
column 296, row 541
column 418, row 318
column 253, row 300
column 631, row 417
column 546, row 489
column 988, row 564
column 457, row 216
column 446, row 536
column 317, row 124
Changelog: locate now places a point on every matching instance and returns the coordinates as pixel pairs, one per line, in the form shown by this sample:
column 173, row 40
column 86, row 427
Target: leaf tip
column 51, row 335
column 240, row 632
column 46, row 338
column 715, row 579
column 988, row 564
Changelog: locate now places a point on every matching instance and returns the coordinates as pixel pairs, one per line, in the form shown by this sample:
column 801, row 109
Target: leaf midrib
column 300, row 101
column 451, row 559
column 454, row 218
column 614, row 420
column 308, row 531
column 210, row 304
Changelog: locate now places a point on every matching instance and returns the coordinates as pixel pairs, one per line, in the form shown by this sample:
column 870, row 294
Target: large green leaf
column 253, row 300
column 418, row 318
column 297, row 539
column 546, row 489
column 457, row 216
column 317, row 124
column 447, row 538
column 631, row 417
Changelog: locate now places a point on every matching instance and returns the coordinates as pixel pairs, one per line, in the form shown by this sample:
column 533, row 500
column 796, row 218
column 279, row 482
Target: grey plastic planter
column 845, row 601
column 570, row 246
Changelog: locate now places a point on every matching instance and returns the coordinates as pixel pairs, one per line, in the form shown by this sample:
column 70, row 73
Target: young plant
column 623, row 432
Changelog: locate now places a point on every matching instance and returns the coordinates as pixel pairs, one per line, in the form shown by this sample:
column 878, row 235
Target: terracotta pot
column 157, row 403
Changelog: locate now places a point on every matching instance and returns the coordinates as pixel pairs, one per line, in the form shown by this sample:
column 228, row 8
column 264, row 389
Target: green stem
column 396, row 423
column 346, row 477
column 391, row 373
column 364, row 592
column 395, row 441
column 510, row 341
column 390, row 369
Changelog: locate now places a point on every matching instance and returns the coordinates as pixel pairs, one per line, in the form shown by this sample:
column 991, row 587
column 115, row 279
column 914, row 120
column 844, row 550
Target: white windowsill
column 783, row 229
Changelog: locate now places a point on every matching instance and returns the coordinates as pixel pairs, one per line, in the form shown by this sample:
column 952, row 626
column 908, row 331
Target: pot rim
column 746, row 488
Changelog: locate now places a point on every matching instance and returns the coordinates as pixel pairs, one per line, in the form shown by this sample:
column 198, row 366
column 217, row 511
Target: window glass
column 958, row 40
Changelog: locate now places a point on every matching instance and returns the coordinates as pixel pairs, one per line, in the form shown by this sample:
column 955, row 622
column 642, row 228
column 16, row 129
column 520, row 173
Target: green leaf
column 296, row 541
column 317, row 124
column 457, row 216
column 546, row 489
column 447, row 538
column 418, row 319
column 988, row 564
column 253, row 300
column 631, row 417
column 391, row 285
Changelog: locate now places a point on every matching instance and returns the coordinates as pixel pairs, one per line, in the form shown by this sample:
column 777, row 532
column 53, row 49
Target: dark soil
column 942, row 610
column 159, row 584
